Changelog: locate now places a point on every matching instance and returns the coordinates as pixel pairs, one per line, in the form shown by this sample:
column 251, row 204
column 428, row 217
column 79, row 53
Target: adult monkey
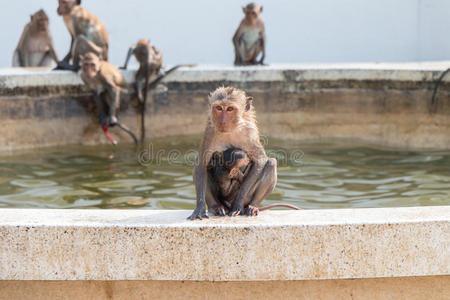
column 150, row 64
column 106, row 81
column 232, row 123
column 87, row 31
column 35, row 47
column 249, row 40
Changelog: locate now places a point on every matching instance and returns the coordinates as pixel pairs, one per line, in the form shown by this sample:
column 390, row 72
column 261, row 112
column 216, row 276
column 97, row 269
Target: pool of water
column 325, row 174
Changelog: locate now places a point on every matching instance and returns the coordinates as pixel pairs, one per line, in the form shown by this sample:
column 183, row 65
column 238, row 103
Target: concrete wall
column 389, row 253
column 200, row 31
column 389, row 104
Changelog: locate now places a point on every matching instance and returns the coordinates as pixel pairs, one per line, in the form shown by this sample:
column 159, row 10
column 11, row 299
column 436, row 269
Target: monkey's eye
column 230, row 108
column 219, row 108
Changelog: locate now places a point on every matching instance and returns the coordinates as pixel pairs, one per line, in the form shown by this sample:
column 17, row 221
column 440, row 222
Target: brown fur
column 87, row 31
column 249, row 40
column 235, row 128
column 35, row 47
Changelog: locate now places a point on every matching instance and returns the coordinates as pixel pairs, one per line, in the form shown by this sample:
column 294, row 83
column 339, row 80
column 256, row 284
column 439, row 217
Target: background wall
column 298, row 30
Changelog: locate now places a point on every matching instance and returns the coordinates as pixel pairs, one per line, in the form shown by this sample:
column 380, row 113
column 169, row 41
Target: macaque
column 150, row 64
column 107, row 82
column 35, row 48
column 232, row 123
column 226, row 173
column 87, row 31
column 249, row 39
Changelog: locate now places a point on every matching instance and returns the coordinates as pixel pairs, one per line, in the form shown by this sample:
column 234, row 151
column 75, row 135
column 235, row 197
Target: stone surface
column 277, row 245
column 388, row 104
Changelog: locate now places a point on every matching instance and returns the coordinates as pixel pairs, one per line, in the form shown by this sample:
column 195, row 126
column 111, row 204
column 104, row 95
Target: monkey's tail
column 127, row 130
column 438, row 82
column 279, row 205
column 144, row 105
column 161, row 77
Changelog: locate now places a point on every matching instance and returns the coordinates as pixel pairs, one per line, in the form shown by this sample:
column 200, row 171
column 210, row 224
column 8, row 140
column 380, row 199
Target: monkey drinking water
column 106, row 81
column 249, row 40
column 35, row 47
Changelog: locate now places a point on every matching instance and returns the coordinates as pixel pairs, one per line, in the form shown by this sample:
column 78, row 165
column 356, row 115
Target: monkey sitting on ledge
column 249, row 40
column 35, row 48
column 232, row 124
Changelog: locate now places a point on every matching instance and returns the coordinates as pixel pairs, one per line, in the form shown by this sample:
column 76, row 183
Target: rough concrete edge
column 11, row 78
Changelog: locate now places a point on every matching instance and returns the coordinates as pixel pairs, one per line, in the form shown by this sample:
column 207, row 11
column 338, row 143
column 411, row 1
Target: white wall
column 200, row 31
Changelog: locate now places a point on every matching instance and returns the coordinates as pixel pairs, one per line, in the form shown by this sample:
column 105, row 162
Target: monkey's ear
column 249, row 103
column 260, row 9
column 31, row 17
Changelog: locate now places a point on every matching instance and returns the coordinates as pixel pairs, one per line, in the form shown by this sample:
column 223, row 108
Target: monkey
column 35, row 47
column 232, row 123
column 249, row 40
column 226, row 172
column 150, row 64
column 88, row 34
column 107, row 81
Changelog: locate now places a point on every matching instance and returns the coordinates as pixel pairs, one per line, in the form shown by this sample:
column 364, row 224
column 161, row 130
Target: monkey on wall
column 87, row 31
column 106, row 81
column 150, row 64
column 232, row 124
column 35, row 47
column 249, row 39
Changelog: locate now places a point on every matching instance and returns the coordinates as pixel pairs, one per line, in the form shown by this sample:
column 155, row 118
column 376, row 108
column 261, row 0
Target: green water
column 331, row 174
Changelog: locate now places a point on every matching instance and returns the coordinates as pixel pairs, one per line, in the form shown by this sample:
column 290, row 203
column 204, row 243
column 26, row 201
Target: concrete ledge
column 277, row 245
column 386, row 103
column 414, row 71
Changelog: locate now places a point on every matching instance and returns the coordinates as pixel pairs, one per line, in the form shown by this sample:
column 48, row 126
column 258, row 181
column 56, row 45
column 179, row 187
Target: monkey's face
column 65, row 6
column 252, row 14
column 90, row 68
column 225, row 116
column 42, row 25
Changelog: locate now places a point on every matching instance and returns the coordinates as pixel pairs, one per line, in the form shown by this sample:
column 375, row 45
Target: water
column 330, row 174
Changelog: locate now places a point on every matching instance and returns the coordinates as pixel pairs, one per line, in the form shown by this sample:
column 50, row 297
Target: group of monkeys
column 89, row 51
column 232, row 173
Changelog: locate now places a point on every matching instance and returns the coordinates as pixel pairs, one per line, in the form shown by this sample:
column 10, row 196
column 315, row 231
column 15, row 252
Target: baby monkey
column 249, row 39
column 226, row 172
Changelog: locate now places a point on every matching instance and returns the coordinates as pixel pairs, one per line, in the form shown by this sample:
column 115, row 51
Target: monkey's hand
column 198, row 214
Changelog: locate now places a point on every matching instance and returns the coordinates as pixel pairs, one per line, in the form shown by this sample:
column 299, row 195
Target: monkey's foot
column 236, row 212
column 251, row 211
column 62, row 65
column 198, row 214
column 220, row 211
column 112, row 121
